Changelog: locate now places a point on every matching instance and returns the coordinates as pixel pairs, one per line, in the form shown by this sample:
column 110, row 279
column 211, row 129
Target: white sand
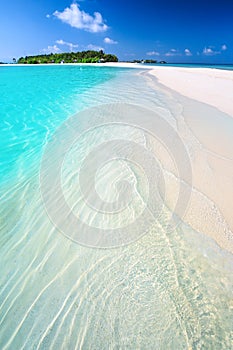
column 211, row 86
column 208, row 132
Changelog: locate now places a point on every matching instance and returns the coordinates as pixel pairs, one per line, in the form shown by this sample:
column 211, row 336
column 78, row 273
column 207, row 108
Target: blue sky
column 171, row 30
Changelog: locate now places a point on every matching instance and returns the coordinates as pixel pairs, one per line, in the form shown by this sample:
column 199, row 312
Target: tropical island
column 89, row 56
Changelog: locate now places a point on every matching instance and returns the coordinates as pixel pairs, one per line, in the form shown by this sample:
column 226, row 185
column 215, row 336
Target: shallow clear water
column 34, row 101
column 167, row 290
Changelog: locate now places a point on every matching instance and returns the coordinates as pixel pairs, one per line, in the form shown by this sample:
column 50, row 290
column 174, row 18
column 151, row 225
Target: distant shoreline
column 195, row 66
column 107, row 64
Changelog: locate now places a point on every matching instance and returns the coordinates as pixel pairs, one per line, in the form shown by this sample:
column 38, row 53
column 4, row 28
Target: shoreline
column 205, row 124
column 200, row 84
column 107, row 64
column 207, row 134
column 207, row 85
column 58, row 293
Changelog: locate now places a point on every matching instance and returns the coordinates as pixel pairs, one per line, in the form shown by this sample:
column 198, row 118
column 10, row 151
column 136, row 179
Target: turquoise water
column 33, row 102
column 168, row 290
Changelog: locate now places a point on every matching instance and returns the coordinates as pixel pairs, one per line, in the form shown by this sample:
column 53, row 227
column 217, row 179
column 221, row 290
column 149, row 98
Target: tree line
column 89, row 56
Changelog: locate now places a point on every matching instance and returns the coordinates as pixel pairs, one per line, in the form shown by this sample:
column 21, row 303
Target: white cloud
column 94, row 47
column 153, row 53
column 80, row 19
column 208, row 51
column 224, row 47
column 51, row 49
column 48, row 16
column 172, row 52
column 110, row 41
column 60, row 42
column 188, row 52
column 70, row 45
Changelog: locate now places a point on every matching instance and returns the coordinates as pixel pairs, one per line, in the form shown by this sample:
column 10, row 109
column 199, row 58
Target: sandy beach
column 206, row 126
column 211, row 86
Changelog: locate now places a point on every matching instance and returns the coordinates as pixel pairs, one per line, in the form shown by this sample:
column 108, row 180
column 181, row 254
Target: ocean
column 91, row 256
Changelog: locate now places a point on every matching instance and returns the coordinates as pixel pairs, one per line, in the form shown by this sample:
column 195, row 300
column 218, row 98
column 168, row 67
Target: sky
column 177, row 31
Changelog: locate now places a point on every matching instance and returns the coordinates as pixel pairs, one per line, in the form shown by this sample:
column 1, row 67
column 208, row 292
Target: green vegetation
column 148, row 61
column 70, row 57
